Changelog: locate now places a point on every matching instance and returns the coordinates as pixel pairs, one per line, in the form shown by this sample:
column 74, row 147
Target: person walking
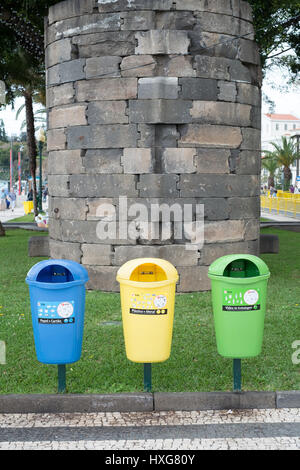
column 2, row 200
column 12, row 197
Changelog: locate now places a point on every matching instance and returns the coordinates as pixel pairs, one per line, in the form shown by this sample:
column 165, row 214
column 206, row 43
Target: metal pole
column 147, row 377
column 61, row 378
column 237, row 375
column 40, row 188
column 10, row 166
column 19, row 171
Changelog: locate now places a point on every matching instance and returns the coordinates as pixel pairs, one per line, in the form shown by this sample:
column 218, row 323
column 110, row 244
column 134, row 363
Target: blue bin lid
column 79, row 272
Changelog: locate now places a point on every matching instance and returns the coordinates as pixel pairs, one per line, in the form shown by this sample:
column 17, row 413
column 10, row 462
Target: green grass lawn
column 194, row 364
column 24, row 218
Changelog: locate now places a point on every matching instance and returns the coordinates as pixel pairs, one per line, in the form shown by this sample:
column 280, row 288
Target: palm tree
column 25, row 77
column 270, row 163
column 285, row 154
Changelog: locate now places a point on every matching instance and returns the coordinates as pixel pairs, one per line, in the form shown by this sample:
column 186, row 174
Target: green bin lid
column 218, row 267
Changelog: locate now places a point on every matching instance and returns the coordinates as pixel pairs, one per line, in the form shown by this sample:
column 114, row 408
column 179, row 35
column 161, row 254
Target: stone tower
column 157, row 101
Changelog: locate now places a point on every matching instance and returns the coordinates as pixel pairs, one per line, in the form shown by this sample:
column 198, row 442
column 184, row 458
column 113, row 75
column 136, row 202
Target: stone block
column 269, row 243
column 242, row 9
column 59, row 185
column 227, row 91
column 106, row 66
column 251, row 139
column 58, row 51
column 193, row 279
column 65, row 250
column 217, row 6
column 211, row 252
column 217, row 23
column 124, row 5
column 160, row 111
column 252, row 230
column 103, row 278
column 55, row 228
column 84, row 24
column 138, row 20
column 248, row 94
column 106, row 89
column 119, row 43
column 179, row 160
column 230, row 114
column 201, row 135
column 158, row 186
column 212, row 67
column 103, row 161
column 137, row 161
column 212, row 161
column 106, row 136
column 158, row 87
column 162, row 42
column 56, row 139
column 38, row 246
column 65, row 162
column 246, row 163
column 69, row 9
column 176, row 66
column 100, row 255
column 66, row 72
column 68, row 208
column 181, row 21
column 107, row 112
column 239, row 72
column 194, row 185
column 91, row 185
column 244, row 207
column 138, row 66
column 60, row 95
column 198, row 89
column 67, row 116
column 224, row 231
column 248, row 52
column 175, row 254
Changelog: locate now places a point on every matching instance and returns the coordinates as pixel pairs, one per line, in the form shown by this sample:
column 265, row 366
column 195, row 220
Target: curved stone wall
column 158, row 101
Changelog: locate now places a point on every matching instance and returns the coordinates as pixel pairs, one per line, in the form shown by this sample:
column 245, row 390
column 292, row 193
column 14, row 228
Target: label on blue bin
column 56, row 313
column 240, row 300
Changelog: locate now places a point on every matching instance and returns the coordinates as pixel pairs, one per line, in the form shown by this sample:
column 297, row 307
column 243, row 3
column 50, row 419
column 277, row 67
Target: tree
column 270, row 163
column 285, row 154
column 3, row 136
column 277, row 26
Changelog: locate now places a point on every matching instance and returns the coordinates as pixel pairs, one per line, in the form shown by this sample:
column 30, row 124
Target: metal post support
column 61, row 378
column 237, row 375
column 147, row 377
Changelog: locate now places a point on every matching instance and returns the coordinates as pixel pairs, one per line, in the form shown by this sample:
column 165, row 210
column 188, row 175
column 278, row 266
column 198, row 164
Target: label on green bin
column 241, row 300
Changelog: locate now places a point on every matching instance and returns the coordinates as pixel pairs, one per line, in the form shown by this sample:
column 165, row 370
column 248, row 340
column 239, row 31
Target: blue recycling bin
column 57, row 297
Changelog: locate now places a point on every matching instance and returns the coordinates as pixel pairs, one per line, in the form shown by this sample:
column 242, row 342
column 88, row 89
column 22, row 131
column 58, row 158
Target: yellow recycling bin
column 147, row 287
column 28, row 206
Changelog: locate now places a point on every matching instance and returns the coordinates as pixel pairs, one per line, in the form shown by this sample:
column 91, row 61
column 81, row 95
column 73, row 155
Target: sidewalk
column 277, row 218
column 8, row 214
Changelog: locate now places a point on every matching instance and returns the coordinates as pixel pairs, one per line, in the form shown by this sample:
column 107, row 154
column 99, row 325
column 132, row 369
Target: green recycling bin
column 239, row 291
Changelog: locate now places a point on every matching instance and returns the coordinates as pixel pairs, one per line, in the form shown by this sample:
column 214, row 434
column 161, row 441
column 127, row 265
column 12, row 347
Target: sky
column 286, row 102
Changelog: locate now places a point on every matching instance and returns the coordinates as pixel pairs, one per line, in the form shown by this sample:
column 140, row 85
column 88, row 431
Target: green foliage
column 285, row 154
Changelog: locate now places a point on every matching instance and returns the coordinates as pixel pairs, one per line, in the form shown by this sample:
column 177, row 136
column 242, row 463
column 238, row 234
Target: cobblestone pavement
column 272, row 429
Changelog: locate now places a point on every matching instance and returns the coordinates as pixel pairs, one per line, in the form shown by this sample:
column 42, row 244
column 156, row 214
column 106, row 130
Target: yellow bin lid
column 147, row 270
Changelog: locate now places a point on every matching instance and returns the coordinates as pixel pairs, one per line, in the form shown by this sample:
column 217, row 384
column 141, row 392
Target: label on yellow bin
column 148, row 304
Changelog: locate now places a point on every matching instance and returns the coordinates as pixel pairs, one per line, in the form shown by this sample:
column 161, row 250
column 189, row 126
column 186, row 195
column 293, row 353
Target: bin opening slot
column 148, row 273
column 55, row 274
column 241, row 268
